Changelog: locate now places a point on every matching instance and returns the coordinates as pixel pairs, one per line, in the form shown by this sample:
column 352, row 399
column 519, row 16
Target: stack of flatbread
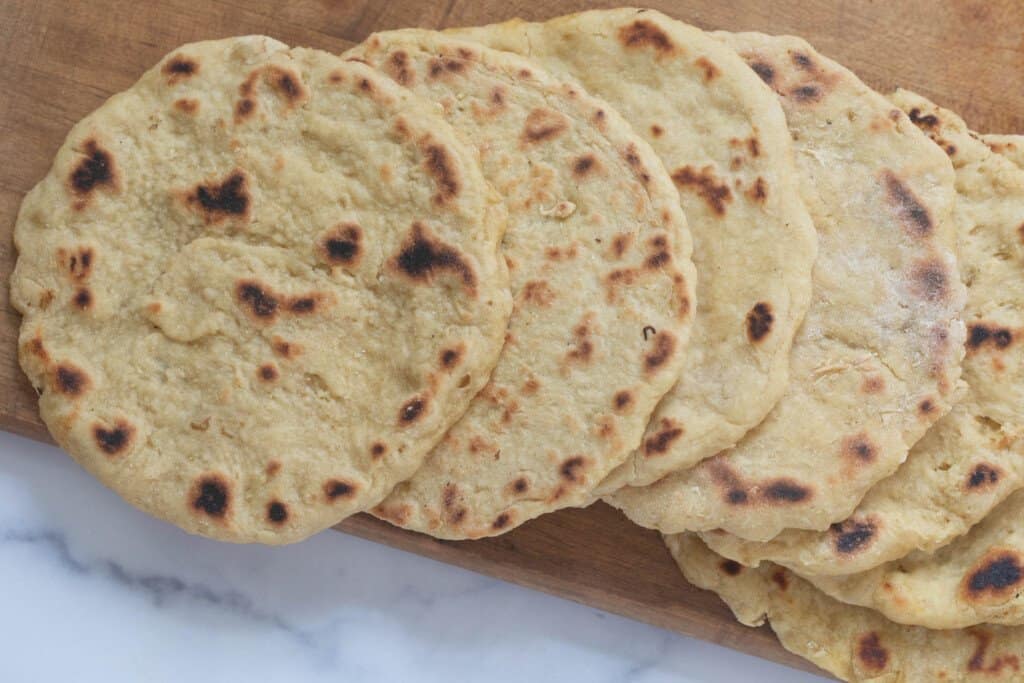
column 462, row 279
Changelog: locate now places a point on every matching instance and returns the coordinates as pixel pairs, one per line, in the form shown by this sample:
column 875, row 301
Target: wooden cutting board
column 59, row 61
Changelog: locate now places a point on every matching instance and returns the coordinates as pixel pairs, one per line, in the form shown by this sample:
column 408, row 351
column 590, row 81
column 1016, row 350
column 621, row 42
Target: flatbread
column 1009, row 146
column 852, row 643
column 599, row 257
column 877, row 359
column 973, row 458
column 977, row 578
column 257, row 288
column 722, row 135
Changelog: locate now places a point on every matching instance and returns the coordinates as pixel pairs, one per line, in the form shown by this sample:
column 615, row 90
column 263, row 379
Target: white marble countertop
column 93, row 590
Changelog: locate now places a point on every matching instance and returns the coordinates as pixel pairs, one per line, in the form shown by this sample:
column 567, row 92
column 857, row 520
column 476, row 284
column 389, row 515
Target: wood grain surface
column 60, row 60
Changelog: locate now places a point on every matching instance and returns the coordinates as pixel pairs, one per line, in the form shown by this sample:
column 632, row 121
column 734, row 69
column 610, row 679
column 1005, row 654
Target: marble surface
column 93, row 590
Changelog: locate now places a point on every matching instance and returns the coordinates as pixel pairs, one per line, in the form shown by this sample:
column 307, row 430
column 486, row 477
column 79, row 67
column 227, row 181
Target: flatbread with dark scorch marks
column 722, row 136
column 877, row 360
column 852, row 643
column 973, row 458
column 257, row 288
column 599, row 257
column 1009, row 146
column 977, row 578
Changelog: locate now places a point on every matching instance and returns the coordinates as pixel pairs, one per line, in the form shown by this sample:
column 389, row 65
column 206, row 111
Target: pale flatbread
column 1009, row 146
column 973, row 457
column 257, row 288
column 877, row 359
column 852, row 643
column 599, row 258
column 977, row 578
column 722, row 135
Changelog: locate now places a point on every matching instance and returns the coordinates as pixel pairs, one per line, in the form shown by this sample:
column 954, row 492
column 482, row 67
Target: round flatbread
column 973, row 458
column 977, row 578
column 878, row 357
column 852, row 643
column 722, row 136
column 257, row 288
column 1009, row 146
column 598, row 254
